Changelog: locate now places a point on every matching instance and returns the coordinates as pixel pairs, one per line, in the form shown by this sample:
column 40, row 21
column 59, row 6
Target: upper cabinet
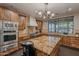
column 40, row 24
column 10, row 15
column 6, row 14
column 22, row 22
column 27, row 20
column 1, row 13
column 14, row 16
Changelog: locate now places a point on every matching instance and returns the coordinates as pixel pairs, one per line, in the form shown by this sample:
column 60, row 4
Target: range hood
column 32, row 22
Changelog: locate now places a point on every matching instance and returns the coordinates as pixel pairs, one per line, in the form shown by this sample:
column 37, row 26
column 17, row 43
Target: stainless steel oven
column 9, row 38
column 8, row 34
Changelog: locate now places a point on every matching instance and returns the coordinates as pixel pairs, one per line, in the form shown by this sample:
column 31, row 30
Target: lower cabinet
column 70, row 41
column 40, row 53
column 55, row 52
column 66, row 41
column 75, row 42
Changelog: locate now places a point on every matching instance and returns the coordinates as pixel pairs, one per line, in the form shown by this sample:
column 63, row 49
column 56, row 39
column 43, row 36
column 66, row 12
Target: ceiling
column 28, row 9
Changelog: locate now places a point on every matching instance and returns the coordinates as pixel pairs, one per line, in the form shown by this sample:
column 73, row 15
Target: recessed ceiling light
column 48, row 12
column 39, row 13
column 69, row 9
column 52, row 14
column 44, row 17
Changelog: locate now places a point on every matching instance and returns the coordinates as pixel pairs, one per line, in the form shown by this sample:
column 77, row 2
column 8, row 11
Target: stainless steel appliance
column 8, row 35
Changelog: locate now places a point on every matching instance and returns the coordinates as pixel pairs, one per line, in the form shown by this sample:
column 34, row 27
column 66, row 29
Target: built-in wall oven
column 8, row 35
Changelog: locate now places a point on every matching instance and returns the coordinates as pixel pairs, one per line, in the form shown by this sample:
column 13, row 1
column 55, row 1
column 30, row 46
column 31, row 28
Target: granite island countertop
column 45, row 44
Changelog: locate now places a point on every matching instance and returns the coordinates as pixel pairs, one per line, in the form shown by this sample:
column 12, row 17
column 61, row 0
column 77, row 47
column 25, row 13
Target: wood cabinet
column 14, row 16
column 40, row 24
column 1, row 13
column 22, row 22
column 27, row 20
column 70, row 41
column 10, row 15
column 66, row 41
column 75, row 42
column 54, row 52
column 6, row 14
column 23, row 29
column 40, row 53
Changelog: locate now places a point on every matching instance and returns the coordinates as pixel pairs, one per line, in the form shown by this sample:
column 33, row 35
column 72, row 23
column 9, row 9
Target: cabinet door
column 39, row 27
column 7, row 14
column 75, row 42
column 22, row 22
column 39, row 24
column 14, row 16
column 66, row 41
column 1, row 13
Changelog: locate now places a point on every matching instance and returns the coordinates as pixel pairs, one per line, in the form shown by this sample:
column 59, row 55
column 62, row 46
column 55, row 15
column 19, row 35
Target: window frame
column 57, row 29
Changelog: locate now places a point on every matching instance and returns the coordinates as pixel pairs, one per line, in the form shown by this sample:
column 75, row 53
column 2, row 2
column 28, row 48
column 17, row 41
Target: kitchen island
column 46, row 45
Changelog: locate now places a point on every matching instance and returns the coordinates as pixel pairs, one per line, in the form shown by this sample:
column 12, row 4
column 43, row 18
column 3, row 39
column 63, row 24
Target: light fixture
column 45, row 14
column 69, row 9
column 44, row 17
column 52, row 14
column 48, row 12
column 40, row 13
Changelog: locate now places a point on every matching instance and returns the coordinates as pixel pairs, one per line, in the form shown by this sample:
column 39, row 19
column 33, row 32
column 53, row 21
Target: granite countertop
column 59, row 34
column 70, row 35
column 45, row 44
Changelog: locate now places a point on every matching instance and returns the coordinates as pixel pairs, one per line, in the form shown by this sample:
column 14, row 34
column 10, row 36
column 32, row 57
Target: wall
column 76, row 23
column 45, row 27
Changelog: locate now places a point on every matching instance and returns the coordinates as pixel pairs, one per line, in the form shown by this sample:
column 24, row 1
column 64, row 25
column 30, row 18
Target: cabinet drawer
column 75, row 42
column 75, row 45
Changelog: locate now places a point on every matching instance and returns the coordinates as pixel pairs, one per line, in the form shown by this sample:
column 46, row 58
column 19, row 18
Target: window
column 51, row 27
column 63, row 25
